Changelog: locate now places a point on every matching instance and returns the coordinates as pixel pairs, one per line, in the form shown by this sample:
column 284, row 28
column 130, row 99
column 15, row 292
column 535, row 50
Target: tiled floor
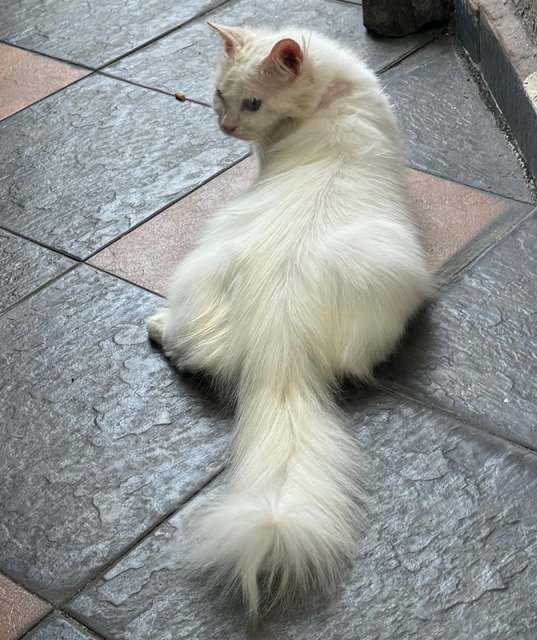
column 106, row 450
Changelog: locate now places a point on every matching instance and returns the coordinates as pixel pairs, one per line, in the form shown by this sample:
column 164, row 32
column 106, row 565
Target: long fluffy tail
column 288, row 520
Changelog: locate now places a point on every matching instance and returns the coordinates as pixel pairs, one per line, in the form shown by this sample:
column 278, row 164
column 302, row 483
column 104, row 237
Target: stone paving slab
column 84, row 165
column 57, row 627
column 24, row 266
column 449, row 550
column 185, row 60
column 473, row 351
column 92, row 33
column 448, row 128
column 26, row 77
column 100, row 438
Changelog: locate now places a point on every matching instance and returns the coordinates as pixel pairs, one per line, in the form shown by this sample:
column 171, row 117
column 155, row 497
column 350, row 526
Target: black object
column 401, row 17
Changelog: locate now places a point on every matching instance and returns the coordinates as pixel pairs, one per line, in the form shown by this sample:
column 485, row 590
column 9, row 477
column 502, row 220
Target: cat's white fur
column 310, row 276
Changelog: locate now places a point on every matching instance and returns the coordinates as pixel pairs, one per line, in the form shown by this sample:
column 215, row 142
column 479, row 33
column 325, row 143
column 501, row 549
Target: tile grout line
column 164, row 92
column 199, row 15
column 134, row 83
column 139, row 539
column 532, row 203
column 43, row 245
column 115, row 275
column 56, row 611
column 49, row 95
column 353, row 4
column 48, row 55
column 83, row 625
column 399, row 394
column 99, row 67
column 412, row 51
column 486, row 249
column 40, row 288
column 170, row 204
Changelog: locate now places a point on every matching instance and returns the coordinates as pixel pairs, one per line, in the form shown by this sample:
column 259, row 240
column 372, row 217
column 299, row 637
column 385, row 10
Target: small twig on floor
column 182, row 98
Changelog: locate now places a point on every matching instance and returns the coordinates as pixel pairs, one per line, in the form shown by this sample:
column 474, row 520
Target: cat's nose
column 229, row 128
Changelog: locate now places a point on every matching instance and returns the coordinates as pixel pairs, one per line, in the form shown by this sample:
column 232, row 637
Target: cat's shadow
column 413, row 352
column 202, row 386
column 229, row 609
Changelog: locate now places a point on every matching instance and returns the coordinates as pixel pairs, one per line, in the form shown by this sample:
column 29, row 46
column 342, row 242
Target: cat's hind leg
column 156, row 324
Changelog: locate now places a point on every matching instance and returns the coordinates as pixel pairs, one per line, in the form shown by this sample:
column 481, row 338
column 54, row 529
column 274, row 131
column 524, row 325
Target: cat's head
column 261, row 83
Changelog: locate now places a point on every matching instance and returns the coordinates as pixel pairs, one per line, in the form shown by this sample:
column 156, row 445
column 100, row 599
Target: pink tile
column 26, row 77
column 148, row 255
column 19, row 610
column 449, row 214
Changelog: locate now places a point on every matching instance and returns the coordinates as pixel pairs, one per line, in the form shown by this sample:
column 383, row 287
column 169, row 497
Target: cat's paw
column 156, row 325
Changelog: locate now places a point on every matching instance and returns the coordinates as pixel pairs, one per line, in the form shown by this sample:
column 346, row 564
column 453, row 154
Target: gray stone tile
column 449, row 130
column 473, row 351
column 92, row 33
column 85, row 165
column 100, row 437
column 57, row 627
column 24, row 266
column 449, row 550
column 185, row 60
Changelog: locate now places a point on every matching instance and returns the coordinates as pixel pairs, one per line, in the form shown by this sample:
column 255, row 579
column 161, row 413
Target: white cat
column 310, row 276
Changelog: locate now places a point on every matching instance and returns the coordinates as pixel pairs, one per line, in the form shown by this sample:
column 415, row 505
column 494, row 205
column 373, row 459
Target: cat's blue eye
column 252, row 104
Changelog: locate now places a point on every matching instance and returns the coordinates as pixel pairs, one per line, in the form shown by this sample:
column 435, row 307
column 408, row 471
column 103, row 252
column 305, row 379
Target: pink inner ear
column 233, row 37
column 287, row 54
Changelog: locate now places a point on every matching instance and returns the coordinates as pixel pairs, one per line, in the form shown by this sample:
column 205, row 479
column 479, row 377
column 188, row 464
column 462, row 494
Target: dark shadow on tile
column 92, row 33
column 473, row 352
column 449, row 549
column 104, row 438
column 185, row 60
column 24, row 266
column 84, row 166
column 447, row 126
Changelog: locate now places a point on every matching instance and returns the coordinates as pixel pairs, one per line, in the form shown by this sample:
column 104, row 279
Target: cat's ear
column 286, row 57
column 233, row 37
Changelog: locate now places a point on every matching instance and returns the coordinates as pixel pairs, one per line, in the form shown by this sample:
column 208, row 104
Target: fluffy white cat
column 310, row 276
